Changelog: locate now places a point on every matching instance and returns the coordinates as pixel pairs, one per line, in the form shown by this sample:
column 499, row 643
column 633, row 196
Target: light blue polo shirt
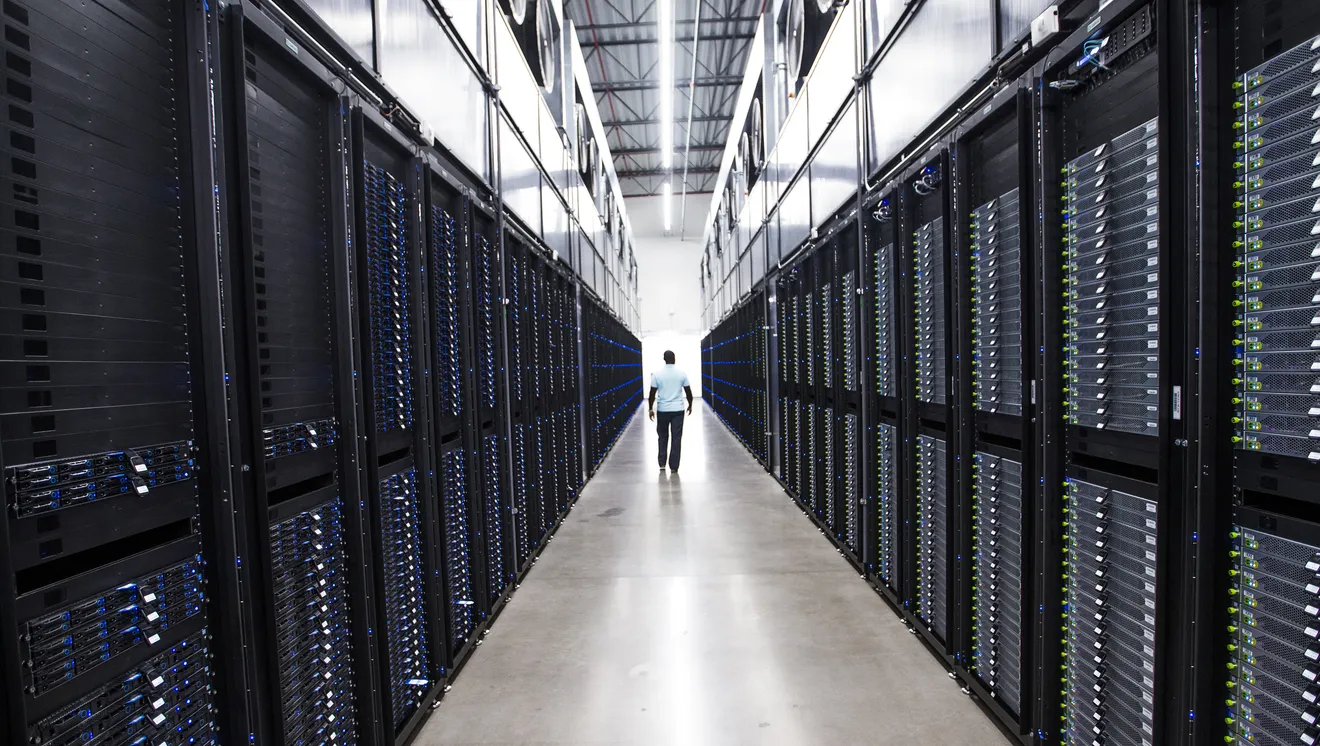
column 668, row 383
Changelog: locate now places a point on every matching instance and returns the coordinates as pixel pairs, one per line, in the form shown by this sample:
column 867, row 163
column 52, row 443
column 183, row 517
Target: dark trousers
column 666, row 424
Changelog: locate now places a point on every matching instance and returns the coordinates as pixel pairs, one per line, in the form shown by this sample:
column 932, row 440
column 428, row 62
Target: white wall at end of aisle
column 687, row 354
column 667, row 268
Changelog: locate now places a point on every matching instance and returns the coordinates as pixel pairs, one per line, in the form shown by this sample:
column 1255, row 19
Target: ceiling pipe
column 687, row 140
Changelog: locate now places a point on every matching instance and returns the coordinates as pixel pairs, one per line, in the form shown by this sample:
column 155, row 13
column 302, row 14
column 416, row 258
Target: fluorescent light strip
column 665, row 12
column 666, row 192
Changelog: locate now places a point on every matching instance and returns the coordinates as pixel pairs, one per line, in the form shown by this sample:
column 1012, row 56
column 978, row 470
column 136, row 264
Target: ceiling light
column 665, row 12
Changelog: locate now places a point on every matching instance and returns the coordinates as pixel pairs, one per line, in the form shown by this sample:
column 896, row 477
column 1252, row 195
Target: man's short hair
column 669, row 356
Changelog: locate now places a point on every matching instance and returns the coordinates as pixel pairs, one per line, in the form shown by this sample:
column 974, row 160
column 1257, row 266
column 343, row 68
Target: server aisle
column 650, row 544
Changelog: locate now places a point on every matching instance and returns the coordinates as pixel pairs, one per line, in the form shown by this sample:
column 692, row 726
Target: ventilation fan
column 805, row 27
column 580, row 126
column 795, row 38
column 756, row 137
column 547, row 45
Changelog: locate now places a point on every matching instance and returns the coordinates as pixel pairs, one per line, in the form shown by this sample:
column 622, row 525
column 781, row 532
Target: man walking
column 667, row 383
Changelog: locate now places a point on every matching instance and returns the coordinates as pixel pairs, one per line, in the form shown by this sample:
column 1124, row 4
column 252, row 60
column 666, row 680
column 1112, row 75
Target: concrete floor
column 702, row 608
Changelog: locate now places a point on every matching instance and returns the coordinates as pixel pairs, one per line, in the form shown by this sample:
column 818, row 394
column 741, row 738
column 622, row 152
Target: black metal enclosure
column 733, row 374
column 1083, row 357
column 612, row 376
column 289, row 406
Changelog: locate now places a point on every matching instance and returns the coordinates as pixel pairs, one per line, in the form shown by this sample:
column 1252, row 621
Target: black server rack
column 544, row 393
column 447, row 216
column 821, row 374
column 823, row 307
column 389, row 195
column 733, row 375
column 613, row 375
column 846, row 390
column 522, row 395
column 1272, row 553
column 994, row 374
column 290, row 273
column 884, row 369
column 789, row 373
column 106, row 630
column 931, row 446
column 805, row 443
column 494, row 510
column 1112, row 158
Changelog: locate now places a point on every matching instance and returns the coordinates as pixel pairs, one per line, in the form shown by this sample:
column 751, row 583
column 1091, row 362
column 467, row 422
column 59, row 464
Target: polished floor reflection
column 699, row 608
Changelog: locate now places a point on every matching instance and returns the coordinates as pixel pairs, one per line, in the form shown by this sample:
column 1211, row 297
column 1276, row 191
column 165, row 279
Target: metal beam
column 653, row 24
column 703, row 148
column 642, row 174
column 651, row 85
column 638, row 42
column 631, row 122
column 645, row 193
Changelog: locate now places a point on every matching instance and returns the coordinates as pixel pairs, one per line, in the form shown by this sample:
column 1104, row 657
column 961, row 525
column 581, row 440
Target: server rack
column 447, row 216
column 522, row 393
column 104, row 570
column 493, row 512
column 1107, row 125
column 1267, row 567
column 389, row 196
column 293, row 349
column 613, row 358
column 925, row 243
column 994, row 377
column 733, row 375
column 543, row 374
column 789, row 372
column 885, row 369
column 854, row 528
column 820, row 378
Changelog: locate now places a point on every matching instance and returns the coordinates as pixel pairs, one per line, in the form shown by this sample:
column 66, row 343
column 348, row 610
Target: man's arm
column 688, row 389
column 650, row 403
